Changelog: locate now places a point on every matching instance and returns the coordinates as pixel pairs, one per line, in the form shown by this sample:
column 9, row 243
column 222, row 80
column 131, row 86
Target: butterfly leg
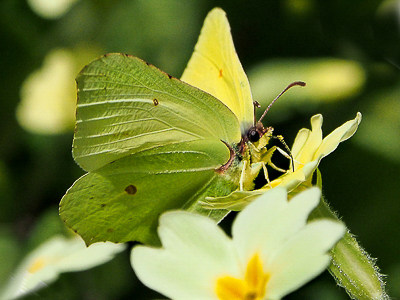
column 284, row 153
column 267, row 160
column 276, row 168
column 243, row 175
column 266, row 175
column 248, row 175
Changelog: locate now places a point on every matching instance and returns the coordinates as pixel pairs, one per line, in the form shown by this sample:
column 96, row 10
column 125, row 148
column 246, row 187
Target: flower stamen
column 252, row 287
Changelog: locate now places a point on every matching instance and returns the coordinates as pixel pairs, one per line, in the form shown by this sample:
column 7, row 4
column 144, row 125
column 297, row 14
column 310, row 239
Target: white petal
column 303, row 257
column 254, row 223
column 196, row 252
column 181, row 232
column 299, row 141
column 291, row 180
column 270, row 220
column 313, row 141
column 337, row 136
column 290, row 221
column 310, row 167
column 88, row 257
column 174, row 277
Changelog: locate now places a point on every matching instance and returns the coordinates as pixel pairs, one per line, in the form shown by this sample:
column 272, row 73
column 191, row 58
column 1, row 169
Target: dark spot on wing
column 220, row 73
column 169, row 76
column 131, row 189
column 103, row 204
column 155, row 102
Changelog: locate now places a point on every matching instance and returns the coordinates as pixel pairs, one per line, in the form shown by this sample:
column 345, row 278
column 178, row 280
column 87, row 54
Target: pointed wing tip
column 217, row 10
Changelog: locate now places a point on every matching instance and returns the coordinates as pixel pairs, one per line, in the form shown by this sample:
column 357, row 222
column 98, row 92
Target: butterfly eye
column 253, row 135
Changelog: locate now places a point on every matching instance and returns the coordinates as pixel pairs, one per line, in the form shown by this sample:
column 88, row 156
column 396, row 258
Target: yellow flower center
column 252, row 287
column 37, row 265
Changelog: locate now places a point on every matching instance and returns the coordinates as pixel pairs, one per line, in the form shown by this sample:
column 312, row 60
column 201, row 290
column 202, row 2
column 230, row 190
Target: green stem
column 351, row 266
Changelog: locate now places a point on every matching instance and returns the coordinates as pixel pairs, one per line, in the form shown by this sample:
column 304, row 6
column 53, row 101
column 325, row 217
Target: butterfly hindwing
column 122, row 201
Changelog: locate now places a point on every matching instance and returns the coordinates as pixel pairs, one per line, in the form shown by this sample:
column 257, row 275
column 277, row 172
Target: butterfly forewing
column 215, row 68
column 126, row 106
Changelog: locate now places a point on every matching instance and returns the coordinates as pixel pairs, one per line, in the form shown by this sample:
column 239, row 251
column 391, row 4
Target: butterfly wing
column 215, row 68
column 123, row 200
column 126, row 105
column 150, row 143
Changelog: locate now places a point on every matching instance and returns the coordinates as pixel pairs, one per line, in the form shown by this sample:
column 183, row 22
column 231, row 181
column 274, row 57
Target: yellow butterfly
column 215, row 68
column 151, row 142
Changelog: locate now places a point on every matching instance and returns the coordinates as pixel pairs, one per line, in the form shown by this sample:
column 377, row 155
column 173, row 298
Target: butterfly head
column 257, row 133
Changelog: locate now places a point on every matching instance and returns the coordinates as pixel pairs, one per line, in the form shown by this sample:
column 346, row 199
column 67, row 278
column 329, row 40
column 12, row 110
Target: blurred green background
column 348, row 52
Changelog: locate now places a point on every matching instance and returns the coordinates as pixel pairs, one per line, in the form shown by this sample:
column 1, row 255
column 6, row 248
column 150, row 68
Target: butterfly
column 151, row 142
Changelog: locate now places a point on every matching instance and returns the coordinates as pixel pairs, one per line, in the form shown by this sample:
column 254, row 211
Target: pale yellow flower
column 273, row 251
column 58, row 255
column 48, row 96
column 51, row 9
column 308, row 149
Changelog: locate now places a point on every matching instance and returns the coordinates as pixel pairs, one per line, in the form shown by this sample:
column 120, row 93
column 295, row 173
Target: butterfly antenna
column 300, row 83
column 256, row 105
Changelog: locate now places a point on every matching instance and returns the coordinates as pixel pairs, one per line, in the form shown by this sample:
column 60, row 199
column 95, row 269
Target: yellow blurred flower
column 58, row 255
column 51, row 9
column 328, row 79
column 48, row 96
